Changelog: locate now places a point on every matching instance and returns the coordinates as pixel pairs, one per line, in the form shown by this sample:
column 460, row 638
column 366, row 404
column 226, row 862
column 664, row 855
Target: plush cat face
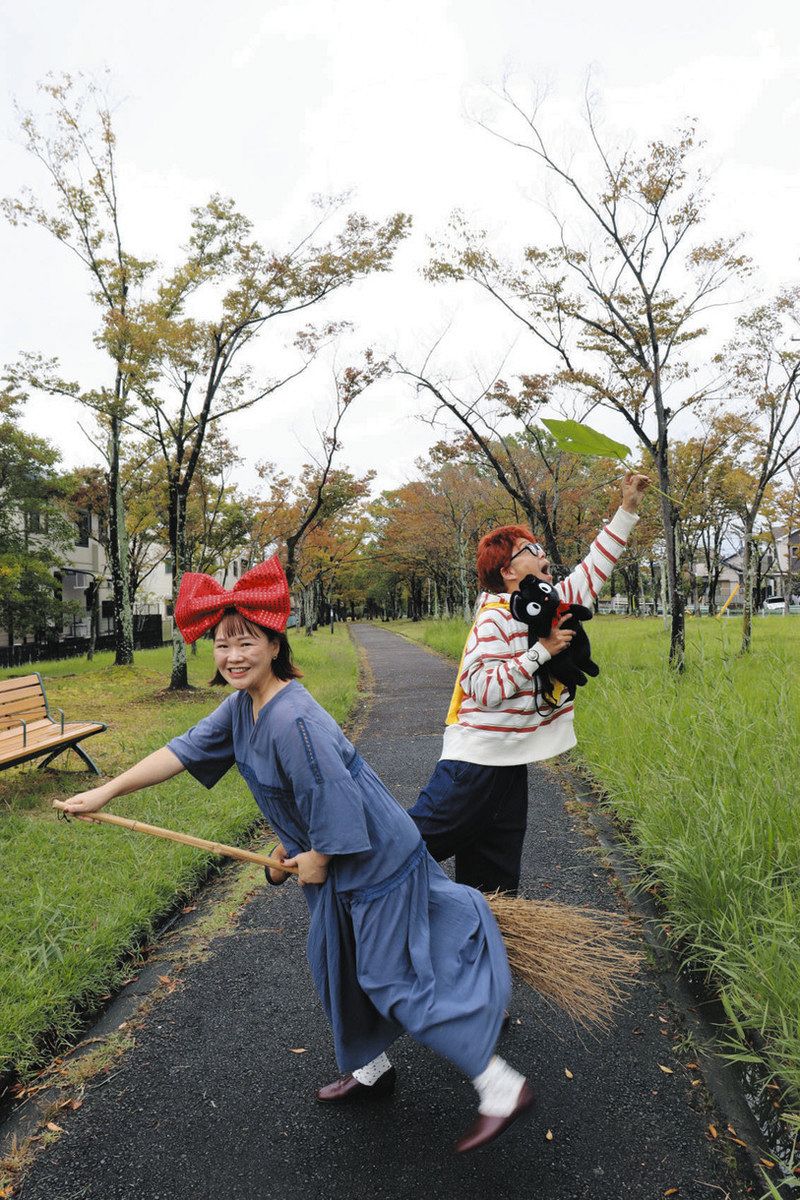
column 535, row 604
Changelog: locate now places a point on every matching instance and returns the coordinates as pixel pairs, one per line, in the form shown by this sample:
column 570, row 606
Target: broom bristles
column 578, row 958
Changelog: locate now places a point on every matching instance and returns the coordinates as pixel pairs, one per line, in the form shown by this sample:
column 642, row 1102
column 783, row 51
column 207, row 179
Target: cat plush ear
column 519, row 608
column 580, row 612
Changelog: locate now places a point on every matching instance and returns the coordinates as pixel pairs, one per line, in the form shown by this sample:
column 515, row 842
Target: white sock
column 371, row 1072
column 498, row 1088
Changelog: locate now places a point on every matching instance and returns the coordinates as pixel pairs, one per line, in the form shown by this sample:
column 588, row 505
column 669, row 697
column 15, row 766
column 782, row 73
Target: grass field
column 703, row 771
column 75, row 896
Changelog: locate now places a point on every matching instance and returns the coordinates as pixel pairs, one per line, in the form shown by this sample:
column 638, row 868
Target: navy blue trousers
column 479, row 815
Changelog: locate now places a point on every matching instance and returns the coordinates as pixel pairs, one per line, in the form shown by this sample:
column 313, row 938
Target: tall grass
column 703, row 770
column 76, row 897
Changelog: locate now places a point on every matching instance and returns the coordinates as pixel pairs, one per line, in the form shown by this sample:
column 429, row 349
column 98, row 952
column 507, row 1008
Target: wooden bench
column 28, row 731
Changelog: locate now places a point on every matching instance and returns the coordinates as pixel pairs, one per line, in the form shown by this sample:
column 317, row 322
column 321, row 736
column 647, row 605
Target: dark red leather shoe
column 349, row 1090
column 488, row 1129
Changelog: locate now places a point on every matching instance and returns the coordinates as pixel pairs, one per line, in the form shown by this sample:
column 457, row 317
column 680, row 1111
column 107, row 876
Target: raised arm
column 586, row 582
column 157, row 767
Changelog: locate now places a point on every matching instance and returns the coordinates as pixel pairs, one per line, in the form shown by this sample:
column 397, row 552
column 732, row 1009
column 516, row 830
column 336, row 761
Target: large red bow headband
column 261, row 595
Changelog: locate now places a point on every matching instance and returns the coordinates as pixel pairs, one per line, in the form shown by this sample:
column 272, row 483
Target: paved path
column 211, row 1103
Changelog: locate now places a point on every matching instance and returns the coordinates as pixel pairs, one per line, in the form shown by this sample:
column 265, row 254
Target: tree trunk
column 179, row 677
column 94, row 617
column 672, row 536
column 713, row 581
column 664, row 597
column 541, row 516
column 747, row 580
column 787, row 595
column 118, row 545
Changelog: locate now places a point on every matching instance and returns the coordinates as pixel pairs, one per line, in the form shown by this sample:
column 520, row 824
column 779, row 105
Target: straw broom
column 580, row 959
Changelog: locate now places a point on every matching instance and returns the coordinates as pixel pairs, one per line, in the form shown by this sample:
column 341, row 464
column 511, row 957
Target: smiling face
column 244, row 654
column 524, row 563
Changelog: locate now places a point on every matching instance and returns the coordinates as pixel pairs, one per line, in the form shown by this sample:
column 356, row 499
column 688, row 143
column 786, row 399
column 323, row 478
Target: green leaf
column 582, row 439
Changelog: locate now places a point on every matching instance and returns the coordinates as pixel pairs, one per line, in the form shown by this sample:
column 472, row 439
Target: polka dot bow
column 261, row 595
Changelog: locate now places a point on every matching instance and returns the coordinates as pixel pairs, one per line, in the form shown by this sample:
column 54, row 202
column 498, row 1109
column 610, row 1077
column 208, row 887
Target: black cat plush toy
column 538, row 605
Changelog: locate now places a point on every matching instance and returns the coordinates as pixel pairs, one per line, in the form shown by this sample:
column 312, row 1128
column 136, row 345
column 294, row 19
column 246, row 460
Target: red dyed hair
column 494, row 551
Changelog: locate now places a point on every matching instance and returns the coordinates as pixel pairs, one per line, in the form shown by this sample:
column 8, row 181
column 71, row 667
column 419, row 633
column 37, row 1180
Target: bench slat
column 24, row 696
column 14, row 732
column 28, row 716
column 26, row 704
column 44, row 741
column 31, row 689
column 8, row 685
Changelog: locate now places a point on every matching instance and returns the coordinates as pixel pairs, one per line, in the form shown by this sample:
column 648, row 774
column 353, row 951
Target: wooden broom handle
column 186, row 838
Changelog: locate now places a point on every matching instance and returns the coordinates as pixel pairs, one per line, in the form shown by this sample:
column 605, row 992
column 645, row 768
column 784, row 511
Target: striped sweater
column 497, row 723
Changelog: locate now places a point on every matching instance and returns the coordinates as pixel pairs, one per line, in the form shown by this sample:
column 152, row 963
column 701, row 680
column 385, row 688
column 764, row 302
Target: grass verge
column 702, row 771
column 76, row 897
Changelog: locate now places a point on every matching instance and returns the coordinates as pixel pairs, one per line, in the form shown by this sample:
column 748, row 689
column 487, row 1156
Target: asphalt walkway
column 212, row 1103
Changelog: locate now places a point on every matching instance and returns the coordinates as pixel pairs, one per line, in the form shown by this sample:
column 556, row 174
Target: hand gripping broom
column 580, row 959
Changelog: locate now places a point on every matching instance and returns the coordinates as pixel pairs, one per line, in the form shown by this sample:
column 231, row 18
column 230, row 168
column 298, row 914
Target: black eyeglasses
column 532, row 548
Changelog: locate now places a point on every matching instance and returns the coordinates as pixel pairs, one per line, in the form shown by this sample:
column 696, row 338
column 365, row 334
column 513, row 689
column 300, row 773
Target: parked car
column 773, row 604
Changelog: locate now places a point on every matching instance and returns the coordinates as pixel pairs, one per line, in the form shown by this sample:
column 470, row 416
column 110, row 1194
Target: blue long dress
column 393, row 944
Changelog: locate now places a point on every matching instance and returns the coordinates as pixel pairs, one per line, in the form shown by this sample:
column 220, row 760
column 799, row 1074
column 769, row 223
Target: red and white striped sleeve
column 585, row 583
column 497, row 663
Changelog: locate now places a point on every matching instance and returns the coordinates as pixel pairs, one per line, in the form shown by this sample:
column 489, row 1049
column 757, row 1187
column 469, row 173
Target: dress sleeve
column 206, row 750
column 327, row 797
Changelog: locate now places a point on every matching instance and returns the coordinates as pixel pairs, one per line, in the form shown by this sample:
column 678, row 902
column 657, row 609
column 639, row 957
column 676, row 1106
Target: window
column 33, row 521
column 168, row 566
column 235, row 569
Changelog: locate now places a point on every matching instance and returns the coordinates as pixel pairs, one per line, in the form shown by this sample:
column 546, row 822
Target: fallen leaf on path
column 696, row 1082
column 165, row 979
column 672, row 1191
column 738, row 1141
column 568, row 1073
column 666, row 1070
column 712, row 1129
column 51, row 1125
column 189, row 908
column 767, row 1162
column 549, row 1135
column 297, row 1050
column 692, row 1067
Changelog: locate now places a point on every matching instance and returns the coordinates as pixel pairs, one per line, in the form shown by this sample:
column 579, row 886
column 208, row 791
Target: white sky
column 274, row 102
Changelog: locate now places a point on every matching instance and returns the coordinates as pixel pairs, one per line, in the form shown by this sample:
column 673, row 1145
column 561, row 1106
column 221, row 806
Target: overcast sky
column 273, row 103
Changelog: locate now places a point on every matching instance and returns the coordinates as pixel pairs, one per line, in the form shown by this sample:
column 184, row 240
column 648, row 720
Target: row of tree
column 615, row 309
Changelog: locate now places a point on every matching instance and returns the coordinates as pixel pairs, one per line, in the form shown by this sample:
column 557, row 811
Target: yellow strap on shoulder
column 458, row 692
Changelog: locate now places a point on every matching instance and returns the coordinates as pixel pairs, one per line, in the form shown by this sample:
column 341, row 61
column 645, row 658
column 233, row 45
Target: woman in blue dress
column 394, row 946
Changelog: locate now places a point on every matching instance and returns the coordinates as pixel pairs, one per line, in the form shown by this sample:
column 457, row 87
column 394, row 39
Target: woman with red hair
column 475, row 806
